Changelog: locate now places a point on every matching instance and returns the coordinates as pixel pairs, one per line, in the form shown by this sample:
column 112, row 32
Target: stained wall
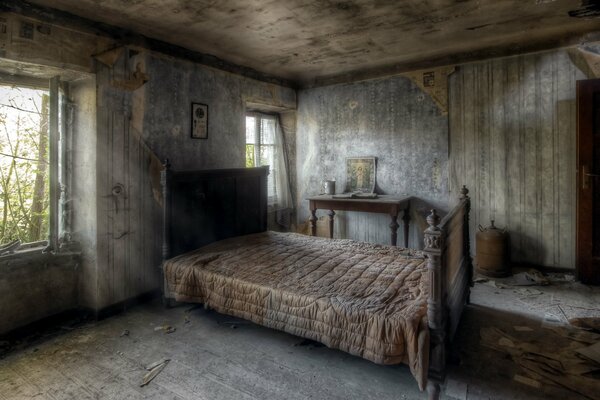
column 391, row 119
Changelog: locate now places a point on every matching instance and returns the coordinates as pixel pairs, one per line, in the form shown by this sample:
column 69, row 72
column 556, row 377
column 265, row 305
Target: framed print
column 361, row 174
column 199, row 121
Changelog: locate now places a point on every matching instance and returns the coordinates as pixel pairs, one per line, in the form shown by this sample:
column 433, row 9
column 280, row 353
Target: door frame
column 585, row 184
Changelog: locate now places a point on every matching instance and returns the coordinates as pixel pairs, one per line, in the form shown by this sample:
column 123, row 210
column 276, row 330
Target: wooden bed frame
column 201, row 207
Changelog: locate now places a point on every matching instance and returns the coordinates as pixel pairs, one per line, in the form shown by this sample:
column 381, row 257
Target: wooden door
column 588, row 181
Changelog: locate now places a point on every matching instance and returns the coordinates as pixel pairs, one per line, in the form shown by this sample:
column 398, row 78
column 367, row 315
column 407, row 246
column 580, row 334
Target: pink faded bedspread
column 368, row 300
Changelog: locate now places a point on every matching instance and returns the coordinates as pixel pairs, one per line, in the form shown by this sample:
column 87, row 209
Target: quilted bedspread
column 368, row 300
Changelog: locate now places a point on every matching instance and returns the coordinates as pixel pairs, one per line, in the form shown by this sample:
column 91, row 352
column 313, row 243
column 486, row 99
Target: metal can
column 490, row 258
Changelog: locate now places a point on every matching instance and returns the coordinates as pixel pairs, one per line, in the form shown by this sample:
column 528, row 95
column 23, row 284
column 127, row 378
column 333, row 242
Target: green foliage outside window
column 24, row 173
column 249, row 155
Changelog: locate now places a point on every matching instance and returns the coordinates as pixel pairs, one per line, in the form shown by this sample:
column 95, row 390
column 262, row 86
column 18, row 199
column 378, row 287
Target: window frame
column 57, row 160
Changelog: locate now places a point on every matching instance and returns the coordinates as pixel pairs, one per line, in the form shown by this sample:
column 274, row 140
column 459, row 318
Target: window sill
column 37, row 256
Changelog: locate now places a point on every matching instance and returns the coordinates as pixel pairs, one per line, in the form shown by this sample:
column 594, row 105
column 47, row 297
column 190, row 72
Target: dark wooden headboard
column 201, row 207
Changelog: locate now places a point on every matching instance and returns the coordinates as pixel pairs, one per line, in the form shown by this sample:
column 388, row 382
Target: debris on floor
column 125, row 333
column 495, row 284
column 530, row 278
column 590, row 323
column 153, row 370
column 522, row 329
column 165, row 328
column 592, row 352
column 528, row 292
column 563, row 357
column 527, row 381
column 550, row 320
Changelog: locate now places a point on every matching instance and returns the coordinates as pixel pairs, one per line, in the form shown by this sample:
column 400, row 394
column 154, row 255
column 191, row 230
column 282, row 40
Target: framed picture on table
column 361, row 173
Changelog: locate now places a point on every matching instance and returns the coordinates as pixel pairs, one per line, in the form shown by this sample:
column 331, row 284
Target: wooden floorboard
column 216, row 357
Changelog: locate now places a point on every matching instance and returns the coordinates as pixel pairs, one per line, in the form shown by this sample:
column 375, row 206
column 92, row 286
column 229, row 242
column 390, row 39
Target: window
column 261, row 149
column 30, row 162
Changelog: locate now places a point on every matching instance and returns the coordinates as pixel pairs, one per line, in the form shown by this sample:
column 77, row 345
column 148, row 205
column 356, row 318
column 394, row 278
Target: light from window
column 24, row 172
column 261, row 148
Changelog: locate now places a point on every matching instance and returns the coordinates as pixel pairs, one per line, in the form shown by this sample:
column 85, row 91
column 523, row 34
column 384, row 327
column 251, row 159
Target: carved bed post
column 166, row 243
column 464, row 196
column 436, row 310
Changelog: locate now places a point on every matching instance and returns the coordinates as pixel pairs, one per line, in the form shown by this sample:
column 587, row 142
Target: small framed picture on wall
column 199, row 121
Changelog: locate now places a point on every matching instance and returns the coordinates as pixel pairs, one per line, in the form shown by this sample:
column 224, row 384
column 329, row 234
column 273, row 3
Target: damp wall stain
column 391, row 119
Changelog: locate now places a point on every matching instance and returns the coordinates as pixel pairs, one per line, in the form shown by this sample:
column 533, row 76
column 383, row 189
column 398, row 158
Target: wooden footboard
column 450, row 274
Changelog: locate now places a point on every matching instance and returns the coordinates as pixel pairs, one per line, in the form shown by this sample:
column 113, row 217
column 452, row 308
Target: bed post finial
column 433, row 220
column 464, row 193
column 434, row 246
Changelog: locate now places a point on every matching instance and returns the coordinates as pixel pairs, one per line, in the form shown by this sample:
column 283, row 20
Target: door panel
column 588, row 181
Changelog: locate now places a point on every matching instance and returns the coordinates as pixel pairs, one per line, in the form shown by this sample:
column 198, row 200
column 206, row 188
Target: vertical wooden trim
column 165, row 182
column 53, row 158
column 63, row 176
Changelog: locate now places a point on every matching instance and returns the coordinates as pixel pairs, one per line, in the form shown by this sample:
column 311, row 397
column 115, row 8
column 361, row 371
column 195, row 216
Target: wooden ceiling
column 318, row 40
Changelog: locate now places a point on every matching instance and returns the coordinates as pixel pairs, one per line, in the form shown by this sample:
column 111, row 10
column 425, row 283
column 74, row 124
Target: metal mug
column 329, row 187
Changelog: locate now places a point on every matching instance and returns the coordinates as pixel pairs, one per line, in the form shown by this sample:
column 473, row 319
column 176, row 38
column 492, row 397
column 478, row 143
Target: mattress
column 365, row 299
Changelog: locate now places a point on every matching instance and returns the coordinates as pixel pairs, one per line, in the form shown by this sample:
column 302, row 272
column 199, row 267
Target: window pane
column 267, row 131
column 250, row 130
column 24, row 164
column 267, row 155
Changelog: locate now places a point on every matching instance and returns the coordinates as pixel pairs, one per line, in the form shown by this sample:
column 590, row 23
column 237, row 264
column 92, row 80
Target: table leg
column 394, row 228
column 331, row 214
column 406, row 220
column 313, row 222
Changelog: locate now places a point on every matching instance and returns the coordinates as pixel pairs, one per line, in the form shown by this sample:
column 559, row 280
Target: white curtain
column 284, row 204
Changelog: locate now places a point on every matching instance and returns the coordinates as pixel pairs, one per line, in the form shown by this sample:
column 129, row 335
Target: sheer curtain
column 284, row 195
column 271, row 150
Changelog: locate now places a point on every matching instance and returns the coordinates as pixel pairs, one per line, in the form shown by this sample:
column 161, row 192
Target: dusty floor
column 218, row 357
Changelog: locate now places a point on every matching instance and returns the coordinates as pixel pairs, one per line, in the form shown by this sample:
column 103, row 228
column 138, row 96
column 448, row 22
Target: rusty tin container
column 490, row 259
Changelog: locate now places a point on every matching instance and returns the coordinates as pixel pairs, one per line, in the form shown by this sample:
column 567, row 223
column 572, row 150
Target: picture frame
column 199, row 125
column 361, row 174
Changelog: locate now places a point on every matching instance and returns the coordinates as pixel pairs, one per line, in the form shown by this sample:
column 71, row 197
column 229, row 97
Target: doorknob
column 585, row 179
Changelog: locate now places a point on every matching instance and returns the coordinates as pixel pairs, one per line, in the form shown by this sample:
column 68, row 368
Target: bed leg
column 433, row 390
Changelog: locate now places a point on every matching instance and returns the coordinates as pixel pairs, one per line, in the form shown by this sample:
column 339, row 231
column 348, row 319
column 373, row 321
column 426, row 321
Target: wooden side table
column 384, row 204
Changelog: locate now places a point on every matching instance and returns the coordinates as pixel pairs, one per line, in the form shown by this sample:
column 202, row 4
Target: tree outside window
column 24, row 164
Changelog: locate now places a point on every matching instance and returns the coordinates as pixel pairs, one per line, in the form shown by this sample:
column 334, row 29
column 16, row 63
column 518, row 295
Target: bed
column 386, row 304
